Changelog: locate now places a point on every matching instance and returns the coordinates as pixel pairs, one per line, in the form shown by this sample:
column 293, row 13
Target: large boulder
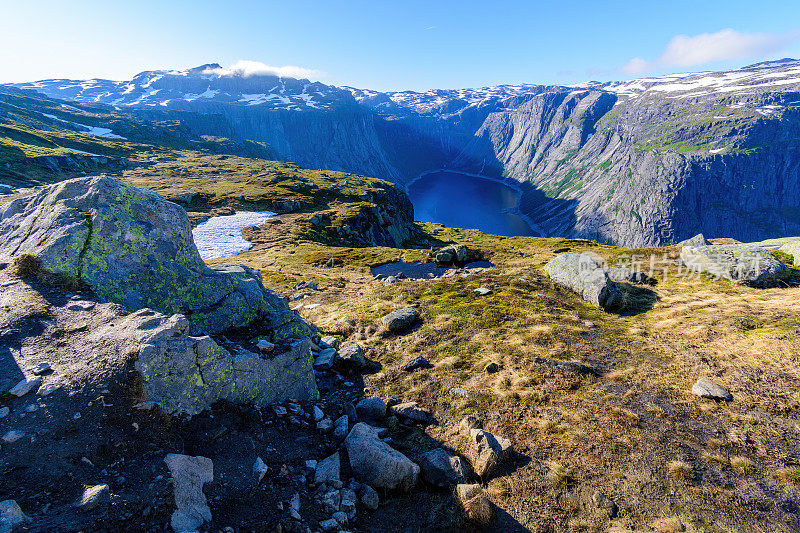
column 491, row 452
column 744, row 263
column 376, row 463
column 186, row 374
column 133, row 247
column 400, row 320
column 441, row 468
column 455, row 254
column 697, row 240
column 582, row 274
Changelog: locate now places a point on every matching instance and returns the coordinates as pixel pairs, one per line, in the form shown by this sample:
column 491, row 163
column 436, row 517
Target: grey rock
column 441, row 468
column 341, row 427
column 371, row 409
column 401, row 320
column 41, row 368
column 697, row 240
column 260, row 469
column 340, row 517
column 326, row 359
column 568, row 366
column 329, row 341
column 351, row 357
column 186, row 374
column 706, row 389
column 623, row 273
column 11, row 436
column 189, row 474
column 265, row 346
column 605, row 503
column 133, row 247
column 483, row 291
column 748, row 264
column 329, row 525
column 325, row 425
column 389, row 280
column 93, row 497
column 24, row 386
column 369, row 497
column 416, row 363
column 4, row 412
column 11, row 516
column 328, row 470
column 580, row 273
column 376, row 463
column 318, row 414
column 491, row 452
column 411, row 411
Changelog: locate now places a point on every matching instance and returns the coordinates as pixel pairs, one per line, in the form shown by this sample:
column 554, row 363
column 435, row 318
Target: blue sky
column 396, row 45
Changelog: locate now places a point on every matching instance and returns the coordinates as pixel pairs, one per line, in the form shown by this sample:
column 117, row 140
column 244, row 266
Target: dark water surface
column 463, row 201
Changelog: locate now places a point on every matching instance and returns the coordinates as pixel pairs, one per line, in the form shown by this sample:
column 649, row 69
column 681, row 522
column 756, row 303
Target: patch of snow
column 222, row 236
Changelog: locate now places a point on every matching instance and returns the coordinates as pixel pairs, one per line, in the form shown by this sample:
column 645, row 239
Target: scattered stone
column 605, row 503
column 24, row 386
column 568, row 366
column 328, row 470
column 373, row 409
column 325, row 425
column 401, row 320
column 340, row 517
column 11, row 516
column 582, row 274
column 4, row 412
column 412, row 411
column 622, row 273
column 475, row 504
column 311, row 466
column 329, row 341
column 417, row 362
column 491, row 368
column 47, row 389
column 351, row 357
column 325, row 359
column 265, row 346
column 463, row 393
column 469, row 423
column 441, row 468
column 483, row 291
column 92, row 497
column 333, row 262
column 310, row 284
column 369, row 497
column 329, row 525
column 341, row 427
column 260, row 469
column 491, row 452
column 280, row 411
column 389, row 280
column 376, row 463
column 188, row 476
column 748, row 264
column 12, row 436
column 318, row 414
column 41, row 368
column 706, row 389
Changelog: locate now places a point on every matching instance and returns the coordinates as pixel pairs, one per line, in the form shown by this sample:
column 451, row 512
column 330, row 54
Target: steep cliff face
column 645, row 162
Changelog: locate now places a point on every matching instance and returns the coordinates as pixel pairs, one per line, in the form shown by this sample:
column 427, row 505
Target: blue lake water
column 463, row 201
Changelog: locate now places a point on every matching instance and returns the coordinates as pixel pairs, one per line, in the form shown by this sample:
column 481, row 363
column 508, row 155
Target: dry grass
column 680, row 470
column 743, row 465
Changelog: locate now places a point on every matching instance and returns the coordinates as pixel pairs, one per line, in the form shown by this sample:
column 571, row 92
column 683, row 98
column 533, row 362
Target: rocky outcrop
column 131, row 246
column 747, row 264
column 582, row 274
column 185, row 374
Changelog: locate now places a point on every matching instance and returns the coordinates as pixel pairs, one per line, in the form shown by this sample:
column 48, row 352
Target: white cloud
column 246, row 68
column 724, row 45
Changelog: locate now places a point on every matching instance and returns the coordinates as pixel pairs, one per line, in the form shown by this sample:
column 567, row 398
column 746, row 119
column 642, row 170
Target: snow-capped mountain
column 637, row 162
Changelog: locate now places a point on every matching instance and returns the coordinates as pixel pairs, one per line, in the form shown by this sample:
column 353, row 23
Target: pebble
column 4, row 411
column 47, row 389
column 341, row 427
column 260, row 469
column 41, row 368
column 318, row 414
column 325, row 425
column 24, row 386
column 329, row 525
column 12, row 436
column 92, row 497
column 279, row 410
column 265, row 346
column 483, row 291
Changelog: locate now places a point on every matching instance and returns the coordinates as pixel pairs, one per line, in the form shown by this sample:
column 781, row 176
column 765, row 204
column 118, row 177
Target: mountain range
column 637, row 163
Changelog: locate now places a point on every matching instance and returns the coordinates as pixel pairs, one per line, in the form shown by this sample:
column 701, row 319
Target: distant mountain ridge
column 641, row 162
